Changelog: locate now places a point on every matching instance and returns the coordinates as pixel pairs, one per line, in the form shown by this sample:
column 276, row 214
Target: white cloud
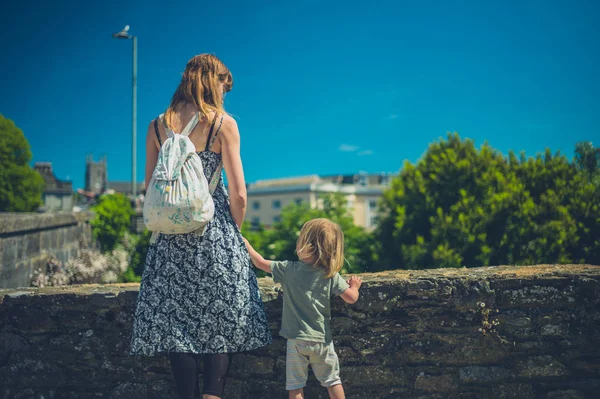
column 348, row 148
column 365, row 152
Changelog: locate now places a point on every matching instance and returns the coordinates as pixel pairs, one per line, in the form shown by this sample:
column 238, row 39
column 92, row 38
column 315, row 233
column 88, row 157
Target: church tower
column 96, row 176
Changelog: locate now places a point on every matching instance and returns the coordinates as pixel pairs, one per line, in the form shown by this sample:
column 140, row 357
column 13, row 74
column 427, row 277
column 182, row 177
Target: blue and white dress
column 199, row 294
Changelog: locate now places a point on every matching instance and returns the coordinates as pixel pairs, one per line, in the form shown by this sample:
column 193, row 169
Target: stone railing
column 29, row 240
column 502, row 332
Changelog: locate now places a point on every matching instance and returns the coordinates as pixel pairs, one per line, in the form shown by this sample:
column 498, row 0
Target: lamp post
column 124, row 34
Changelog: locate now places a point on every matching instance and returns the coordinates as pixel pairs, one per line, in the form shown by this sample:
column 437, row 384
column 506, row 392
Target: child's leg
column 336, row 392
column 296, row 393
column 296, row 369
column 326, row 366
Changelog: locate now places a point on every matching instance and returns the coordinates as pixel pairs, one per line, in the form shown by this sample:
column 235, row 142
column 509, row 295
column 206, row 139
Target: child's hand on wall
column 355, row 282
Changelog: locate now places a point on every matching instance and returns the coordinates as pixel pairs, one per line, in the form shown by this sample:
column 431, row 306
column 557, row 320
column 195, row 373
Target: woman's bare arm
column 151, row 153
column 232, row 161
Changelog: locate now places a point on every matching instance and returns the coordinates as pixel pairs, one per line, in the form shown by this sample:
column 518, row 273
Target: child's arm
column 351, row 294
column 257, row 258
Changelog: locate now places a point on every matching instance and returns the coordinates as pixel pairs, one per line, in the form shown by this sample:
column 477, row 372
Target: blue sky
column 320, row 87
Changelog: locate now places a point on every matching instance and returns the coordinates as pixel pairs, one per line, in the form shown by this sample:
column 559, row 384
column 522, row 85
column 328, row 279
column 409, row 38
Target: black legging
column 185, row 368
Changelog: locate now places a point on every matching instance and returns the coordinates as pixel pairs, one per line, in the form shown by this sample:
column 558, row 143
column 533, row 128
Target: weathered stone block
column 359, row 376
column 512, row 391
column 436, row 383
column 483, row 375
column 538, row 295
column 9, row 252
column 27, row 241
column 246, row 365
column 450, row 349
column 129, row 390
column 541, row 366
column 567, row 394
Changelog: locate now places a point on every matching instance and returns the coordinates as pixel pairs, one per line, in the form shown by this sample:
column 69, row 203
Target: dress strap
column 157, row 132
column 210, row 133
column 211, row 138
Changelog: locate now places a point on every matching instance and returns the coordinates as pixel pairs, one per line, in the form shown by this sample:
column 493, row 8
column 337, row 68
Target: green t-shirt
column 306, row 300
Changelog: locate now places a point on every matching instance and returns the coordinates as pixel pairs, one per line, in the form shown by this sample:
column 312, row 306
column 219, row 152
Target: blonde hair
column 200, row 86
column 321, row 243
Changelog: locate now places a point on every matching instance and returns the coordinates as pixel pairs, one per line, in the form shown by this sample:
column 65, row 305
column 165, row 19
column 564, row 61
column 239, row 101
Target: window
column 276, row 219
column 385, row 179
column 363, row 179
column 374, row 220
column 256, row 205
column 320, row 203
column 255, row 223
column 298, row 201
column 276, row 204
column 373, row 204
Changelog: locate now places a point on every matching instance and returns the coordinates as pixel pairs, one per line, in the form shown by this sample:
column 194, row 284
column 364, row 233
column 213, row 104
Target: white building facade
column 266, row 198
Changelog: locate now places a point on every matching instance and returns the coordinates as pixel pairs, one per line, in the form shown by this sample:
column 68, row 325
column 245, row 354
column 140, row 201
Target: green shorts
column 321, row 357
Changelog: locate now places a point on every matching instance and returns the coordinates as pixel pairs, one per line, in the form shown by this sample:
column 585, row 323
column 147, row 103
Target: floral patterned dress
column 199, row 294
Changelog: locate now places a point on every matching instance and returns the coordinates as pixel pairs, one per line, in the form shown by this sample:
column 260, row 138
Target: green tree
column 112, row 220
column 137, row 256
column 567, row 221
column 463, row 206
column 21, row 187
column 587, row 159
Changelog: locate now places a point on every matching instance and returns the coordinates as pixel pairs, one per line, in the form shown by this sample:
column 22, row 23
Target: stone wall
column 28, row 240
column 412, row 334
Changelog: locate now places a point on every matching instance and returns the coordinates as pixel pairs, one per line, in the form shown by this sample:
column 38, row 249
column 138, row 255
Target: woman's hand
column 257, row 259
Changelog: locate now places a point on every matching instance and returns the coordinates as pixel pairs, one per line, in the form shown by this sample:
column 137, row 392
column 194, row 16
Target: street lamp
column 124, row 34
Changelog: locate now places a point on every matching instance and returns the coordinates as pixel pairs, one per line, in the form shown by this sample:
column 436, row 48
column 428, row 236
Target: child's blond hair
column 321, row 243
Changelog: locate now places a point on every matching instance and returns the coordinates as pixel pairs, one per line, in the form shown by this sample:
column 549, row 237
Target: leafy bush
column 137, row 256
column 463, row 206
column 21, row 187
column 112, row 220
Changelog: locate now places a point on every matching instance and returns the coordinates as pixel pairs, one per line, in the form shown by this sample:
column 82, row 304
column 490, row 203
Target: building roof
column 53, row 185
column 358, row 183
column 124, row 187
column 287, row 181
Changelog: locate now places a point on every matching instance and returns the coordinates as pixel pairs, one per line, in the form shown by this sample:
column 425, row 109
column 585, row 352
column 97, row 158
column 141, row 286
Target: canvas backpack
column 179, row 198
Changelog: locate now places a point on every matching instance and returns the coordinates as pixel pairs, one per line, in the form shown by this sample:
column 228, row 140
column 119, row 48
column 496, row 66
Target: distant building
column 96, row 175
column 58, row 194
column 96, row 179
column 124, row 187
column 266, row 198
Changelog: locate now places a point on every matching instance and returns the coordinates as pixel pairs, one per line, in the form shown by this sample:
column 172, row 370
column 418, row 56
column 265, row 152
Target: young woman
column 199, row 299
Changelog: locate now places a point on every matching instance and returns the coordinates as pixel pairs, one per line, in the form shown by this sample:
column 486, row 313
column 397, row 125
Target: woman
column 199, row 297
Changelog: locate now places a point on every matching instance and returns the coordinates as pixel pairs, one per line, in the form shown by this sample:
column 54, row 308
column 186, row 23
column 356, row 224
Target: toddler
column 308, row 285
